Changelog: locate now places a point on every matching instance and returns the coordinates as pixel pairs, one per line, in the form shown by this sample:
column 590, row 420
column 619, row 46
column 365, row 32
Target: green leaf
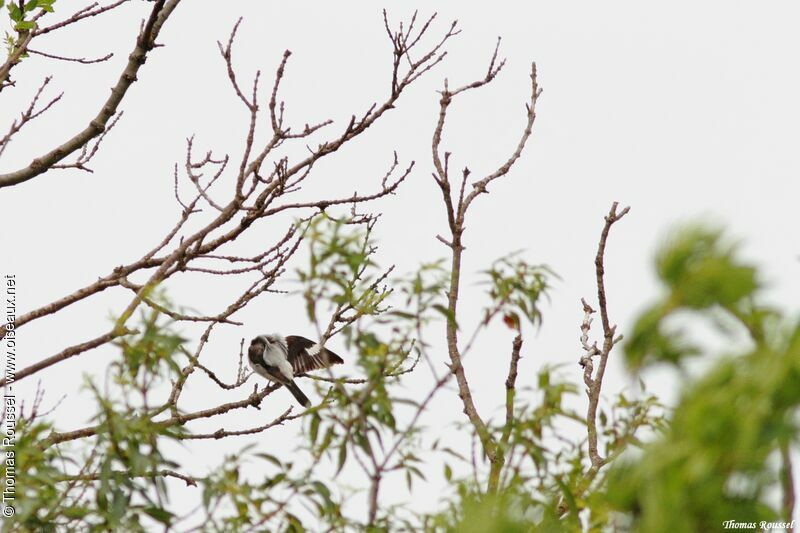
column 445, row 311
column 118, row 506
column 25, row 25
column 162, row 515
column 342, row 457
column 14, row 12
column 31, row 5
column 76, row 512
column 314, row 429
column 271, row 458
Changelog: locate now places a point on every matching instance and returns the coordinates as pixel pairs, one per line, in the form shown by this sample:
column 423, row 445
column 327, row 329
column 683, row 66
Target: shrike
column 280, row 358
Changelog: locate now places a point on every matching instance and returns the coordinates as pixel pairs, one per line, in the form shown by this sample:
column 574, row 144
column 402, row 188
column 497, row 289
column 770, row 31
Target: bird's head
column 263, row 343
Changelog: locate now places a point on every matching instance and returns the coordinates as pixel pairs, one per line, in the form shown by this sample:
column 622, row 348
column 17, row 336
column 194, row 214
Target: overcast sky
column 682, row 112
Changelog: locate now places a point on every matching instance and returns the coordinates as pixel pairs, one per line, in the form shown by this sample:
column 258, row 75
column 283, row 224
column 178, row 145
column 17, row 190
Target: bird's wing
column 306, row 355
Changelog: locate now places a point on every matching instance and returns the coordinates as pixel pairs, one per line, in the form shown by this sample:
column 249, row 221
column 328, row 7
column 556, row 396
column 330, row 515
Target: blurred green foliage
column 700, row 272
column 718, row 458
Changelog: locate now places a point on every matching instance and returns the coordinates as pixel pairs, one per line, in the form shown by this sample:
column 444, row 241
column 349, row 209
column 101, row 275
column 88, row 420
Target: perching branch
column 223, row 433
column 253, row 400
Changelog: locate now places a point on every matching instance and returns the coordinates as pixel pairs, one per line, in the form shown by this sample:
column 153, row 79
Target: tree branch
column 594, row 382
column 608, row 335
column 456, row 220
column 190, row 481
column 72, row 351
column 223, row 433
column 511, row 380
column 253, row 400
column 145, row 42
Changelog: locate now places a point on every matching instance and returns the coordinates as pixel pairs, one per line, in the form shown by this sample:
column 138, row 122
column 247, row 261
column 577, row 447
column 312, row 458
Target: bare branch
column 145, row 42
column 479, row 186
column 456, row 214
column 190, row 481
column 511, row 381
column 89, row 11
column 226, row 53
column 253, row 400
column 29, row 114
column 223, row 433
column 87, row 154
column 67, row 353
column 594, row 382
column 81, row 60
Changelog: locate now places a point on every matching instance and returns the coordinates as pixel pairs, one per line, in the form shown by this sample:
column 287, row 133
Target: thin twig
column 190, row 481
column 81, row 60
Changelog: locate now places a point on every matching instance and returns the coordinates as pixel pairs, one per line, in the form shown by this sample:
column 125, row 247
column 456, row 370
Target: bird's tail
column 298, row 394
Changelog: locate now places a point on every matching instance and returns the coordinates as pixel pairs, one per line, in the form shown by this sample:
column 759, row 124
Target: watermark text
column 8, row 438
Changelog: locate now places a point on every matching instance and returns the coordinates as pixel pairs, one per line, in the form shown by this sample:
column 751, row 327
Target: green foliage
column 112, row 484
column 700, row 272
column 340, row 269
column 129, row 451
column 232, row 502
column 19, row 13
column 623, row 425
column 715, row 461
column 37, row 468
column 510, row 511
column 357, row 418
column 545, row 468
column 358, row 423
column 151, row 352
column 424, row 295
column 517, row 289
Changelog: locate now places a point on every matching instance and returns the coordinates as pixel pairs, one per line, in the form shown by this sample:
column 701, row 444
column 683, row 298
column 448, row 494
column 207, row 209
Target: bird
column 280, row 359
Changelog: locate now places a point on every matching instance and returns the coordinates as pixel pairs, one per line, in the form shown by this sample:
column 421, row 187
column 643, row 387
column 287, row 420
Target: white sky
column 680, row 112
